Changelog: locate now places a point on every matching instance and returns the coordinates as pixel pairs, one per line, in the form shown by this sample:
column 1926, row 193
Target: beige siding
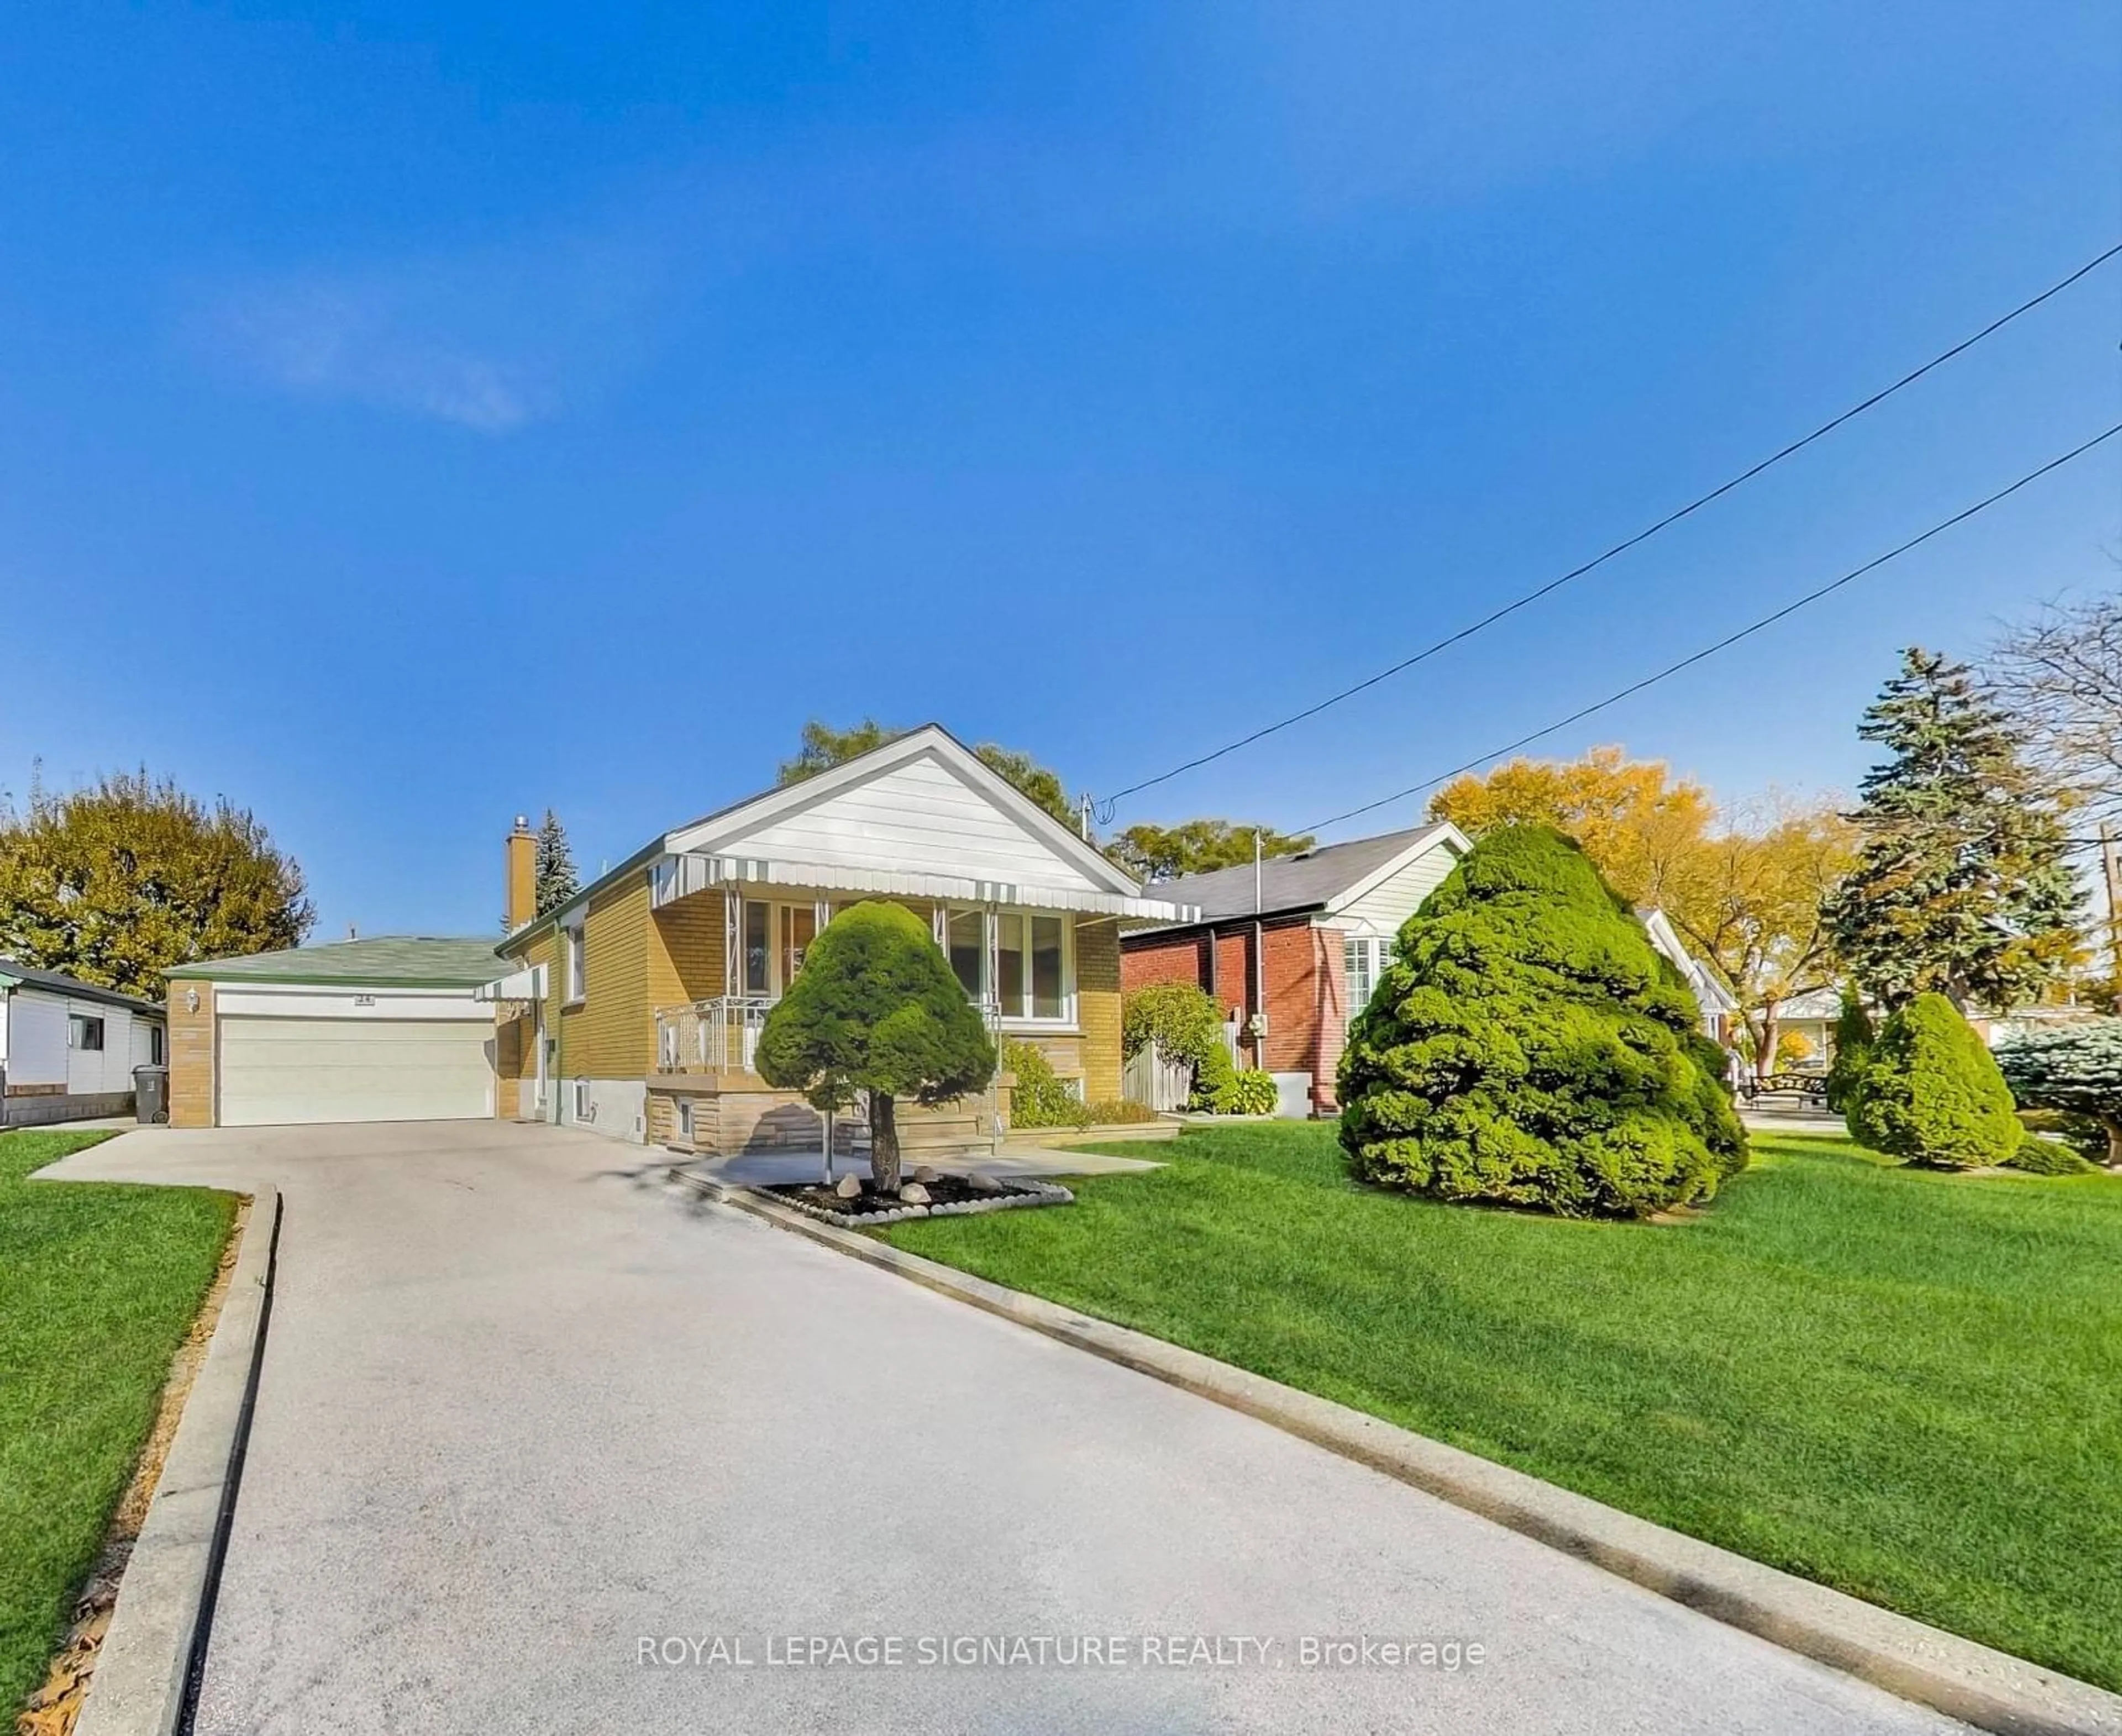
column 515, row 1054
column 611, row 1033
column 1383, row 908
column 685, row 951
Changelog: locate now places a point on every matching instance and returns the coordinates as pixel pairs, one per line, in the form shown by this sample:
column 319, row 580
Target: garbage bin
column 151, row 1094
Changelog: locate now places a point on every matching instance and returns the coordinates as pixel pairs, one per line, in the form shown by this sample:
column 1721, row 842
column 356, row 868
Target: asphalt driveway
column 534, row 1434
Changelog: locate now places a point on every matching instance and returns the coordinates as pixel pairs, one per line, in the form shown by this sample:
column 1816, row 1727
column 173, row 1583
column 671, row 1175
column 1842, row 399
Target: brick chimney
column 522, row 903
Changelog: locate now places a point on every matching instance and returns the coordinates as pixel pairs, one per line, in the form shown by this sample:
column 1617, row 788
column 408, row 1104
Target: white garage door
column 276, row 1070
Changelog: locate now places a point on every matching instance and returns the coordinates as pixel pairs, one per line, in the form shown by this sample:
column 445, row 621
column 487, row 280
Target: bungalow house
column 1293, row 950
column 68, row 1049
column 634, row 1008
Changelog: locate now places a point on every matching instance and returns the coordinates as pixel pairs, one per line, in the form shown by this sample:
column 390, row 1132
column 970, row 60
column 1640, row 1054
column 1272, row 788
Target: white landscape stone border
column 147, row 1664
column 1989, row 1689
column 1018, row 1190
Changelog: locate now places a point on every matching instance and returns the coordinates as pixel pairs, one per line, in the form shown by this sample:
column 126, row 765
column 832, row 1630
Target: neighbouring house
column 634, row 1008
column 68, row 1049
column 1292, row 959
column 390, row 1029
column 1719, row 1005
column 1812, row 1016
column 1325, row 923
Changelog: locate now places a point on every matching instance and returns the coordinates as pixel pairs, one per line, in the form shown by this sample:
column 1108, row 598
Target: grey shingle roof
column 12, row 973
column 1290, row 883
column 419, row 961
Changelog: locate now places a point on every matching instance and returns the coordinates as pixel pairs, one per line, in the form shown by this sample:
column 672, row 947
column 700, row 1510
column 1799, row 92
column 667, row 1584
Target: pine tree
column 1961, row 887
column 553, row 875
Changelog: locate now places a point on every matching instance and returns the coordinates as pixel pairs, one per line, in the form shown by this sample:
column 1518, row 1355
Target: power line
column 1109, row 805
column 1724, row 644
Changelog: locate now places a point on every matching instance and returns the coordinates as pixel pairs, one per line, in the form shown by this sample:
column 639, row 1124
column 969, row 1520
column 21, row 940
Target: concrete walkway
column 523, row 1409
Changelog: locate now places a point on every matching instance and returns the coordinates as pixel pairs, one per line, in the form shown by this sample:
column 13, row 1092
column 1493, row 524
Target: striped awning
column 676, row 877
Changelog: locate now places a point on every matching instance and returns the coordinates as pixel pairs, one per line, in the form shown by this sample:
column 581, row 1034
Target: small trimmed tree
column 875, row 1010
column 2078, row 1070
column 1530, row 1047
column 1853, row 1038
column 1932, row 1092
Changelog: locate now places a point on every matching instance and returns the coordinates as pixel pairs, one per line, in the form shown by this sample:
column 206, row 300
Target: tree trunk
column 1765, row 1057
column 883, row 1143
column 2114, row 1127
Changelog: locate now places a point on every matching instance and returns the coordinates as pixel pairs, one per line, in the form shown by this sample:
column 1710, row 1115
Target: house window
column 1033, row 974
column 583, row 1111
column 84, row 1032
column 1364, row 961
column 578, row 965
column 758, row 948
column 776, row 940
column 967, row 935
column 685, row 1119
column 154, row 1045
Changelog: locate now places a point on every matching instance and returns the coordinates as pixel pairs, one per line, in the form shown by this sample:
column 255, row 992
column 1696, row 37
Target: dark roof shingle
column 1290, row 882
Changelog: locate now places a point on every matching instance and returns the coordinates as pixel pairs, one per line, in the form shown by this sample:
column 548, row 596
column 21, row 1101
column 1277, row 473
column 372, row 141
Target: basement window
column 85, row 1033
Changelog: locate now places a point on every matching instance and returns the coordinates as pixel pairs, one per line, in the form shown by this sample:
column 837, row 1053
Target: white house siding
column 1382, row 909
column 918, row 817
column 36, row 1038
column 144, row 1045
column 96, row 1072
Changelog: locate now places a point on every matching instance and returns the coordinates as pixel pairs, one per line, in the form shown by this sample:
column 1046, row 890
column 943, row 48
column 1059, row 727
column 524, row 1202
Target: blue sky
column 417, row 413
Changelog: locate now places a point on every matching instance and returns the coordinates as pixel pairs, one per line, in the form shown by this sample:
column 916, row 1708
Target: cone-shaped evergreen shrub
column 1853, row 1038
column 1932, row 1093
column 1529, row 1046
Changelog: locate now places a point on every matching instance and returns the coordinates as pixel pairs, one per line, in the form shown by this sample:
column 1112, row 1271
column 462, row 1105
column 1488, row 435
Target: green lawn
column 97, row 1285
column 1906, row 1385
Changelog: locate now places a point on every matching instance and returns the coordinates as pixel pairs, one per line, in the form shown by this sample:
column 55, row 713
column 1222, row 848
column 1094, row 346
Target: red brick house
column 1294, row 963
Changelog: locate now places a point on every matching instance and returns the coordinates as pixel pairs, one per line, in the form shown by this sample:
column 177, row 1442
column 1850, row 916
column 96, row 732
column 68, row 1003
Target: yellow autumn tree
column 1743, row 889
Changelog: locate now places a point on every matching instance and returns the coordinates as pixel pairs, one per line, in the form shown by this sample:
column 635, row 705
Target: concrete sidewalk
column 523, row 1408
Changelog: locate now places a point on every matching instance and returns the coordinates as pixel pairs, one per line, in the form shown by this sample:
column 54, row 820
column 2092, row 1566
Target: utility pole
column 2110, row 872
column 1083, row 816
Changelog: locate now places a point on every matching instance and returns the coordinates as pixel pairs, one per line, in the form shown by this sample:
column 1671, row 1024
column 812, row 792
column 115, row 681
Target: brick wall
column 191, row 1056
column 1304, row 997
column 1098, row 1007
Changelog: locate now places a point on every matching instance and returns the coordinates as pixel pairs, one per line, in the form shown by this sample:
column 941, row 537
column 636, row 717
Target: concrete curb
column 146, row 1669
column 1989, row 1689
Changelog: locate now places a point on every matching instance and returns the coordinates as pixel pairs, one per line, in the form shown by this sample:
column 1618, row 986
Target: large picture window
column 1032, row 975
column 776, row 939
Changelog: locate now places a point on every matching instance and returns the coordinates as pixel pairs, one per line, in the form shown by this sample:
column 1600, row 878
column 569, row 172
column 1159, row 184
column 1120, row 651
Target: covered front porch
column 731, row 934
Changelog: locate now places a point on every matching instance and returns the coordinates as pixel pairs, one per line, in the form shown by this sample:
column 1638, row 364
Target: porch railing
column 710, row 1035
column 724, row 1033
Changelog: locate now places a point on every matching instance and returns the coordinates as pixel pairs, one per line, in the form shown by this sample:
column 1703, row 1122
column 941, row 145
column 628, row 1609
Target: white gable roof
column 920, row 814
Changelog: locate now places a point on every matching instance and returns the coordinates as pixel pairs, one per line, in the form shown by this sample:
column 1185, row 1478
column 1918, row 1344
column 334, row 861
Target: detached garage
column 388, row 1029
